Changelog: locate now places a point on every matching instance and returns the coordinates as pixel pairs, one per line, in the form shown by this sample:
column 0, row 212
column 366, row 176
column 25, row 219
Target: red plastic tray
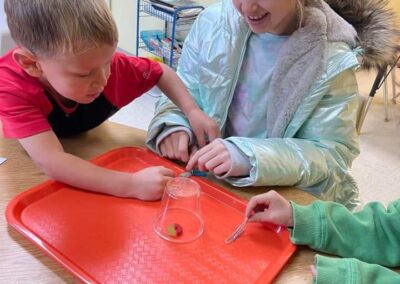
column 105, row 239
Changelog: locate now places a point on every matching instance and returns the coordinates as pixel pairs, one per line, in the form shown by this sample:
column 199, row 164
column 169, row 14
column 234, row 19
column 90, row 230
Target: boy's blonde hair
column 52, row 27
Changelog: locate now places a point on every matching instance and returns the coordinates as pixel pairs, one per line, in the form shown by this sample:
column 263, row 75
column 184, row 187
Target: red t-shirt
column 25, row 107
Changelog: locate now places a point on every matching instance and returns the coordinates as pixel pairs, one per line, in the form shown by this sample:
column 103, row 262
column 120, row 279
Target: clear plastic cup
column 179, row 218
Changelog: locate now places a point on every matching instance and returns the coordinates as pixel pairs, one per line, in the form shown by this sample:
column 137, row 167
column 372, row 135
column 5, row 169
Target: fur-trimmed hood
column 376, row 26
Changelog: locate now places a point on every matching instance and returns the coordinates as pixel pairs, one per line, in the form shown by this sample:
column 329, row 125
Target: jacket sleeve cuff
column 335, row 270
column 240, row 164
column 171, row 130
column 308, row 226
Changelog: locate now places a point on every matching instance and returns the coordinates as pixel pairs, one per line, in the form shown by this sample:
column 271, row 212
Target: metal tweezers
column 239, row 231
column 196, row 173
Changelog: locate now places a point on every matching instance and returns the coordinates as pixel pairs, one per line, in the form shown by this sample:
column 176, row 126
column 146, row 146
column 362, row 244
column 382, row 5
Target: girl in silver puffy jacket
column 279, row 79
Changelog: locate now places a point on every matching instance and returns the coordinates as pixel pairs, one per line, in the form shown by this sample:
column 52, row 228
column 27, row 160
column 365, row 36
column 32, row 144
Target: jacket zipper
column 234, row 83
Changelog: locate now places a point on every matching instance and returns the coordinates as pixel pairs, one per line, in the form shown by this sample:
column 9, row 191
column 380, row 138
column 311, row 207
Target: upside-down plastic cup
column 179, row 218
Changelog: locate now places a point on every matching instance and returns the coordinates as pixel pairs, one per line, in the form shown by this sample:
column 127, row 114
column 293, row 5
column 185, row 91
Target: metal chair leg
column 395, row 98
column 364, row 114
column 380, row 80
column 395, row 84
column 385, row 100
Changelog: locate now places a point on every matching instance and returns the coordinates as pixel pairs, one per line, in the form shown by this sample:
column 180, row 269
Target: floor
column 377, row 169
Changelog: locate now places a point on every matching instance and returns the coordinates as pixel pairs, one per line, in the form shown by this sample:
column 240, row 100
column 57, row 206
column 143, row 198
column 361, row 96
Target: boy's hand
column 203, row 126
column 175, row 146
column 277, row 209
column 213, row 157
column 149, row 183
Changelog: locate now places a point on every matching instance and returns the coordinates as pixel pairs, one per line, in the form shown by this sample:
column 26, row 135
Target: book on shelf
column 175, row 3
column 169, row 6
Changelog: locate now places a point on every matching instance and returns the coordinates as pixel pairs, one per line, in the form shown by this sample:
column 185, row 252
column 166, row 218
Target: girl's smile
column 269, row 16
column 257, row 22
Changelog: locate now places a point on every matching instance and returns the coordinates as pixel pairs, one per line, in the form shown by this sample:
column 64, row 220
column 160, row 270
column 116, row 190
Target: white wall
column 124, row 12
column 3, row 23
column 6, row 43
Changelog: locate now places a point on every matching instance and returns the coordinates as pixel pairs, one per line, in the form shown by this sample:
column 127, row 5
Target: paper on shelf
column 2, row 160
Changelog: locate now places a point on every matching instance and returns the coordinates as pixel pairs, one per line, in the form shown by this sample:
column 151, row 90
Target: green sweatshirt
column 366, row 239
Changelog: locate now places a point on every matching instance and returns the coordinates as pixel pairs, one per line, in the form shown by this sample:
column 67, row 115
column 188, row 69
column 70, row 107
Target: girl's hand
column 149, row 183
column 213, row 157
column 205, row 129
column 313, row 270
column 276, row 209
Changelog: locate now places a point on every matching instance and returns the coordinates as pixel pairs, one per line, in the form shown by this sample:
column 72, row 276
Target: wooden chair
column 395, row 84
column 380, row 80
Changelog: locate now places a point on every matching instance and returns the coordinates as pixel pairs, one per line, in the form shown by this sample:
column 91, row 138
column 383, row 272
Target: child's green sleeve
column 371, row 235
column 352, row 271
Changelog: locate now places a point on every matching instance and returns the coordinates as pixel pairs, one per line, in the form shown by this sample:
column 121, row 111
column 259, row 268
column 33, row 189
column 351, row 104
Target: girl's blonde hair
column 50, row 27
column 300, row 11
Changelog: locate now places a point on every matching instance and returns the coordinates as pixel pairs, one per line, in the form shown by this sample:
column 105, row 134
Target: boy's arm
column 48, row 154
column 203, row 126
column 168, row 117
column 170, row 84
column 352, row 271
column 371, row 235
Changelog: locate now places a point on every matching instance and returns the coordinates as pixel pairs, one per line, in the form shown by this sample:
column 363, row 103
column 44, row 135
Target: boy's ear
column 27, row 61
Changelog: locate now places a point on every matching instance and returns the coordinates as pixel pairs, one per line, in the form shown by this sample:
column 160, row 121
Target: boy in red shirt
column 65, row 77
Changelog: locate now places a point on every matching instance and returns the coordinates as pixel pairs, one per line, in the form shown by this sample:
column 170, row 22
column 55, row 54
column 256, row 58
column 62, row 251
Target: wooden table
column 22, row 262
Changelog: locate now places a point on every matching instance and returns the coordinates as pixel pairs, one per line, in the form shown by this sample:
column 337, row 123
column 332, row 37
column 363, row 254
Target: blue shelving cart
column 177, row 18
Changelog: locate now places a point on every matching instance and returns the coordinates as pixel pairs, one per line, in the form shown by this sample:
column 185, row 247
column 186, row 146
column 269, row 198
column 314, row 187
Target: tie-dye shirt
column 247, row 114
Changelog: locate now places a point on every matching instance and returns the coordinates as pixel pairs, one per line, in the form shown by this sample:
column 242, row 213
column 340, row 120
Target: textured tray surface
column 100, row 238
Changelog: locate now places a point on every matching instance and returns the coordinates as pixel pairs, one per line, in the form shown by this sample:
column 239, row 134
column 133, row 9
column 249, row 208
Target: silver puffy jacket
column 320, row 141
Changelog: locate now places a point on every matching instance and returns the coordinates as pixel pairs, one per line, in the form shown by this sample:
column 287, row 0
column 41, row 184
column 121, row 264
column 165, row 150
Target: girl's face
column 269, row 16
